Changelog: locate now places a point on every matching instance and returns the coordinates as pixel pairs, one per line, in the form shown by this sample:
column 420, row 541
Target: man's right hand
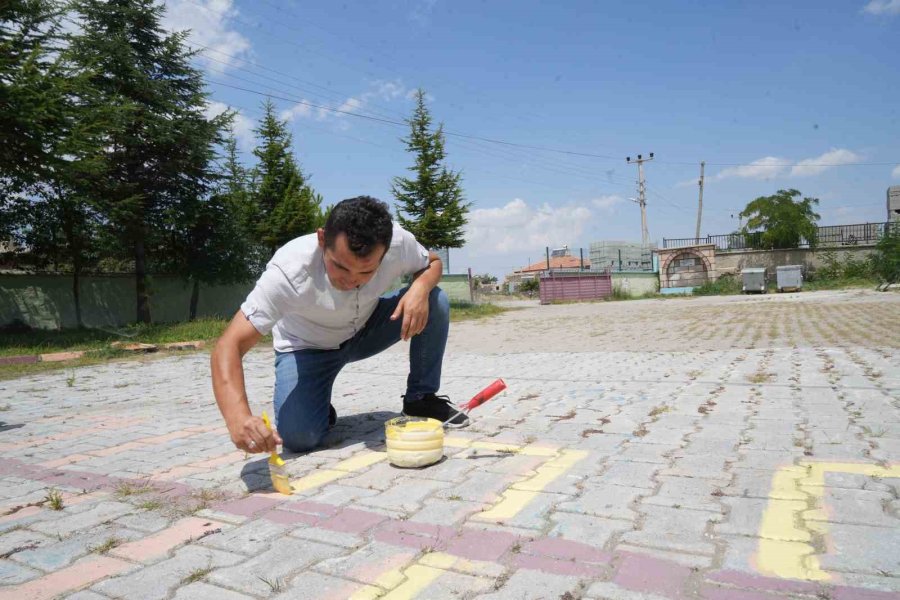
column 251, row 435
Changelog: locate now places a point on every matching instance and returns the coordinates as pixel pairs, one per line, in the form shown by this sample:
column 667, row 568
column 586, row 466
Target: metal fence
column 865, row 234
column 583, row 285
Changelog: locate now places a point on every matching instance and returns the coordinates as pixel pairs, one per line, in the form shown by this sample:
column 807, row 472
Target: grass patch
column 54, row 499
column 843, row 283
column 106, row 546
column 40, row 341
column 196, row 575
column 467, row 311
column 127, row 488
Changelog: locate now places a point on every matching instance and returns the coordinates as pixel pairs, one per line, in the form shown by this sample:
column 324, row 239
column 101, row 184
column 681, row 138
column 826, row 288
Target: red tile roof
column 557, row 262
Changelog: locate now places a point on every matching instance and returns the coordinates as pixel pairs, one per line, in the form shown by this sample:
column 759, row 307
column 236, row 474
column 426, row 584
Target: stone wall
column 731, row 262
column 687, row 267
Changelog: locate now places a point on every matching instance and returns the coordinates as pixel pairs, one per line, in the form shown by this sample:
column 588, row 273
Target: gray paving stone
column 204, row 591
column 591, row 530
column 159, row 580
column 526, row 583
column 369, row 563
column 251, row 539
column 12, row 573
column 270, row 566
column 318, row 586
column 85, row 518
column 605, row 500
column 673, row 529
column 862, row 549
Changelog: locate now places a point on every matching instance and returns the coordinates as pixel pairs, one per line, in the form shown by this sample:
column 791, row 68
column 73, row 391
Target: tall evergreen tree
column 430, row 206
column 31, row 89
column 159, row 145
column 284, row 206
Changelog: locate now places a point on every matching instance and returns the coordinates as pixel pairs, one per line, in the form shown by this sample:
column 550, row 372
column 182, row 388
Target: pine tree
column 431, row 206
column 159, row 143
column 31, row 89
column 284, row 206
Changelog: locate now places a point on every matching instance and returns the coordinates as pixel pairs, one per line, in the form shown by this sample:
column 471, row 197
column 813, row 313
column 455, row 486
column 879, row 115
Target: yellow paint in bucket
column 414, row 441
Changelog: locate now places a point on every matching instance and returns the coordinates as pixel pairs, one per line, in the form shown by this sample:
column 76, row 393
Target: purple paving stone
column 713, row 592
column 285, row 517
column 481, row 545
column 415, row 535
column 855, row 593
column 556, row 566
column 759, row 582
column 312, row 508
column 567, row 550
column 247, row 507
column 351, row 520
column 650, row 574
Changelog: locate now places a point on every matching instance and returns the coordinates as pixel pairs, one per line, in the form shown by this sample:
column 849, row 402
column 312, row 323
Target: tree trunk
column 140, row 279
column 195, row 297
column 76, row 293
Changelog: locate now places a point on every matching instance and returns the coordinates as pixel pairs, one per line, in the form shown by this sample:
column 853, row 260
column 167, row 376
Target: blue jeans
column 303, row 379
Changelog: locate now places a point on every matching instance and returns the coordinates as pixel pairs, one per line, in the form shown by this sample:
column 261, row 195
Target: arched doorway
column 687, row 269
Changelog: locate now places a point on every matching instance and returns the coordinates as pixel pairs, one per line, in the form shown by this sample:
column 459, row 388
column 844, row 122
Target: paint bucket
column 414, row 441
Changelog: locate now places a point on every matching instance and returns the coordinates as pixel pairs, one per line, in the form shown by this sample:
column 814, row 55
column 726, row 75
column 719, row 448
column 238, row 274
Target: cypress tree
column 430, row 206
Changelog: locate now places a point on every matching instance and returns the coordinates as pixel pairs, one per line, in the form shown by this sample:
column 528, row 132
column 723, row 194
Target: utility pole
column 700, row 205
column 642, row 198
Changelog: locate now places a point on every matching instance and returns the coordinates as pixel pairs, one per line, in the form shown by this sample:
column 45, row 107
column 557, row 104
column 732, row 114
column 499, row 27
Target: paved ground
column 742, row 448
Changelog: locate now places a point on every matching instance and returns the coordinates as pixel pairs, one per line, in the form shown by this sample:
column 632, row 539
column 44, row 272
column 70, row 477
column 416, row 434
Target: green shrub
column 886, row 260
column 726, row 284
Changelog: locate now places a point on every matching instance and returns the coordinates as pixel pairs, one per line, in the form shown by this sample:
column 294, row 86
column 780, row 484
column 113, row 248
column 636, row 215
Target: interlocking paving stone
column 674, row 422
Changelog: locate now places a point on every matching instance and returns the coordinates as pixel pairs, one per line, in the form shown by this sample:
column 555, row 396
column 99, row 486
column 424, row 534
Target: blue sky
column 770, row 94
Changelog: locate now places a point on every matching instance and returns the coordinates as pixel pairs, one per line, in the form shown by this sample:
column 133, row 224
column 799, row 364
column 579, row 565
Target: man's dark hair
column 366, row 222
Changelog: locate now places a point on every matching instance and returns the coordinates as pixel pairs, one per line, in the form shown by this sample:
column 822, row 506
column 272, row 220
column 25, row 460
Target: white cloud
column 896, row 172
column 210, row 24
column 883, row 7
column 820, row 164
column 518, row 227
column 298, row 110
column 242, row 125
column 763, row 168
column 607, row 203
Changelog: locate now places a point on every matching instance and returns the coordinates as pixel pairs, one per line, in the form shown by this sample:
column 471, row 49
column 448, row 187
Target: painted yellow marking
column 459, row 442
column 521, row 493
column 341, row 469
column 367, row 592
column 788, row 522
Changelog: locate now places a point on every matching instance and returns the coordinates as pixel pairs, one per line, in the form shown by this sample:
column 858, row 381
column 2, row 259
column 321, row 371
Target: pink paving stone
column 285, row 517
column 178, row 473
column 166, row 437
column 20, row 514
column 249, row 506
column 567, row 550
column 61, row 356
column 116, row 449
column 774, row 584
column 231, row 457
column 481, row 545
column 351, row 520
column 18, row 360
column 158, row 545
column 415, row 535
column 77, row 576
column 649, row 574
column 712, row 592
column 65, row 460
column 556, row 566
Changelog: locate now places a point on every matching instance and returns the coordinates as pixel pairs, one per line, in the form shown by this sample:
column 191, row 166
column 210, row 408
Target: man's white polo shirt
column 296, row 302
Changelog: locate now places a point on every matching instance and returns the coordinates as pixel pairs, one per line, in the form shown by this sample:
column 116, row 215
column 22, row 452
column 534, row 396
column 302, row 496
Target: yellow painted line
column 341, row 469
column 521, row 493
column 367, row 592
column 788, row 522
column 459, row 442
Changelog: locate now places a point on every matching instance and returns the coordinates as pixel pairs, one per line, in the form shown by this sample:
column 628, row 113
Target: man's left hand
column 413, row 307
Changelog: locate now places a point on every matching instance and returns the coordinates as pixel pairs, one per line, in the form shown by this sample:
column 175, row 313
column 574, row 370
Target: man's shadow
column 349, row 430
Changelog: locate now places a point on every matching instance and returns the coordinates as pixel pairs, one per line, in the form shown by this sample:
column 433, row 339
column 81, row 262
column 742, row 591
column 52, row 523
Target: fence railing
column 826, row 236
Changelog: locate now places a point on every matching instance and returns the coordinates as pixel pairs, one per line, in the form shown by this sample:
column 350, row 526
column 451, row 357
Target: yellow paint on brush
column 341, row 469
column 520, row 494
column 788, row 523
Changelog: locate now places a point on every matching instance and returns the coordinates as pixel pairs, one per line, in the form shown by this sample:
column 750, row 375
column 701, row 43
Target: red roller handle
column 485, row 394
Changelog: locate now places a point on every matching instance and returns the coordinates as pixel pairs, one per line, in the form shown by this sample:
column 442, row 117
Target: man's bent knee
column 439, row 300
column 302, row 441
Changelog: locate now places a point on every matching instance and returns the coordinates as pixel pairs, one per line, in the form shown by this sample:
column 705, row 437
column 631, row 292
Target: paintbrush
column 280, row 480
column 479, row 399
